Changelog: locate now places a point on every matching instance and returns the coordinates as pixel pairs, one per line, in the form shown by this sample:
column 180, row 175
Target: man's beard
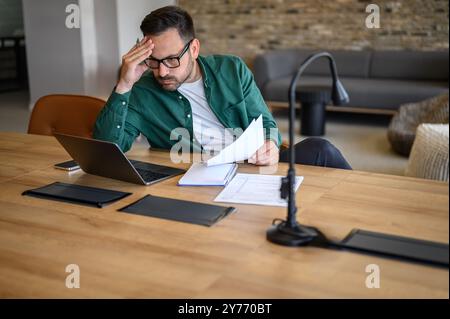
column 176, row 84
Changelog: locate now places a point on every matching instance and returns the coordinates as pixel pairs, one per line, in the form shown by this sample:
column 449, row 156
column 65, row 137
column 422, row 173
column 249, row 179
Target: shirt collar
column 201, row 62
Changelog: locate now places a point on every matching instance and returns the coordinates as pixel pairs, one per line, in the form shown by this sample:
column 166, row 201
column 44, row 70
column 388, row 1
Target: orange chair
column 67, row 114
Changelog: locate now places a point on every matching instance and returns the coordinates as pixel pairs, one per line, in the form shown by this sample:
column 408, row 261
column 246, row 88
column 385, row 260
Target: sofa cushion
column 281, row 63
column 389, row 94
column 411, row 65
column 348, row 63
column 373, row 93
column 278, row 90
column 277, row 64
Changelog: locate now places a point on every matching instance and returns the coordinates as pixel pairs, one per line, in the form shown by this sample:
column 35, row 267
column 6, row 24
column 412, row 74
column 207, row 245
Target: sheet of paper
column 255, row 189
column 245, row 146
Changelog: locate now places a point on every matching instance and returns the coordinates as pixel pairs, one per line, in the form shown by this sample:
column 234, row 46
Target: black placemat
column 78, row 194
column 179, row 210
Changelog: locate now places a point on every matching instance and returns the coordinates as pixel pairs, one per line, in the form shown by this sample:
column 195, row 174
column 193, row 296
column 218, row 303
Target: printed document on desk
column 255, row 189
column 244, row 147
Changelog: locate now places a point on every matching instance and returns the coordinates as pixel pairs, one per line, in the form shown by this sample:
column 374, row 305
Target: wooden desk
column 124, row 255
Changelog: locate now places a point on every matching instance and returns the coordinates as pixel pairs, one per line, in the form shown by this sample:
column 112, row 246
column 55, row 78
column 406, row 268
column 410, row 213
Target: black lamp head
column 339, row 94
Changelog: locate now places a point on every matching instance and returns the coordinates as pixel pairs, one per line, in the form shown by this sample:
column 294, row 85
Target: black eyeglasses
column 170, row 62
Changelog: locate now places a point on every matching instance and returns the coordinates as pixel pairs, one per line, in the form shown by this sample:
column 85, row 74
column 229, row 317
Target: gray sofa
column 374, row 79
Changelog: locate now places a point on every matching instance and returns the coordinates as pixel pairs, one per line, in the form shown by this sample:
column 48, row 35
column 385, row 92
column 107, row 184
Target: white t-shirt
column 208, row 131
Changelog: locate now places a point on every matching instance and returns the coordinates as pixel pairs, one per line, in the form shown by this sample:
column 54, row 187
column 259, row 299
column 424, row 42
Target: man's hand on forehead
column 132, row 64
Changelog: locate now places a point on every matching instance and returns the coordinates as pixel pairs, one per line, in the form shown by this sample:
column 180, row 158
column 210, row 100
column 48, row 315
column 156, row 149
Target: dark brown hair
column 168, row 17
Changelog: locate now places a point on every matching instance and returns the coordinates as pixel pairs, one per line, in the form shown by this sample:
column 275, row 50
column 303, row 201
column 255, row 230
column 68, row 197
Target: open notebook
column 201, row 175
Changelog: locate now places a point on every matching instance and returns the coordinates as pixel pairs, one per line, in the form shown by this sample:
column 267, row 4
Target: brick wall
column 249, row 27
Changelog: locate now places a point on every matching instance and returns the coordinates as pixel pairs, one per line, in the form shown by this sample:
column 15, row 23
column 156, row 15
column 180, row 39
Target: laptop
column 107, row 159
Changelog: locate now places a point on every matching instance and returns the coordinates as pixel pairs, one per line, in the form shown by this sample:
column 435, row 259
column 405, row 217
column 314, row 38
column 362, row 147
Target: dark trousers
column 318, row 152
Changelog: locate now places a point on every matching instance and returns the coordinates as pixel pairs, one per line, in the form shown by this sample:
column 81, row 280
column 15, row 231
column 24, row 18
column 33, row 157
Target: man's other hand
column 268, row 154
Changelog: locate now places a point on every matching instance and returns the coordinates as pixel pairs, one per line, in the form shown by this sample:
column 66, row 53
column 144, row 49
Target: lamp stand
column 290, row 232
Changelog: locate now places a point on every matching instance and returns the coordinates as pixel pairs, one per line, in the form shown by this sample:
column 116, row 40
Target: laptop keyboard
column 149, row 176
column 146, row 170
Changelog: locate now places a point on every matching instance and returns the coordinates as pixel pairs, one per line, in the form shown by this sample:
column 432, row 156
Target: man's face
column 170, row 44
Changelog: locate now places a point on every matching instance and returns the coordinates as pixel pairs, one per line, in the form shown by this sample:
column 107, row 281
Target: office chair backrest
column 67, row 114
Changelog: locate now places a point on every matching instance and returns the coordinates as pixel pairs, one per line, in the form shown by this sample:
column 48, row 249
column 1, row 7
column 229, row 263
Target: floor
column 14, row 111
column 361, row 138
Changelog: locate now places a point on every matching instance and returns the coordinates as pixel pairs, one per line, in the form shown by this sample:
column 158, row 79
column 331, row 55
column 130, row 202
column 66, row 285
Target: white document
column 244, row 147
column 255, row 189
column 201, row 175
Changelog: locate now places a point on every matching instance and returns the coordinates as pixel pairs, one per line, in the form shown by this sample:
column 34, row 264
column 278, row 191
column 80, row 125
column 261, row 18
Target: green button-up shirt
column 231, row 93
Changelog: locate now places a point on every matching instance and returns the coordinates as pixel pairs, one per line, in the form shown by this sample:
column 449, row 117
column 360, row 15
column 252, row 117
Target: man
column 203, row 95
